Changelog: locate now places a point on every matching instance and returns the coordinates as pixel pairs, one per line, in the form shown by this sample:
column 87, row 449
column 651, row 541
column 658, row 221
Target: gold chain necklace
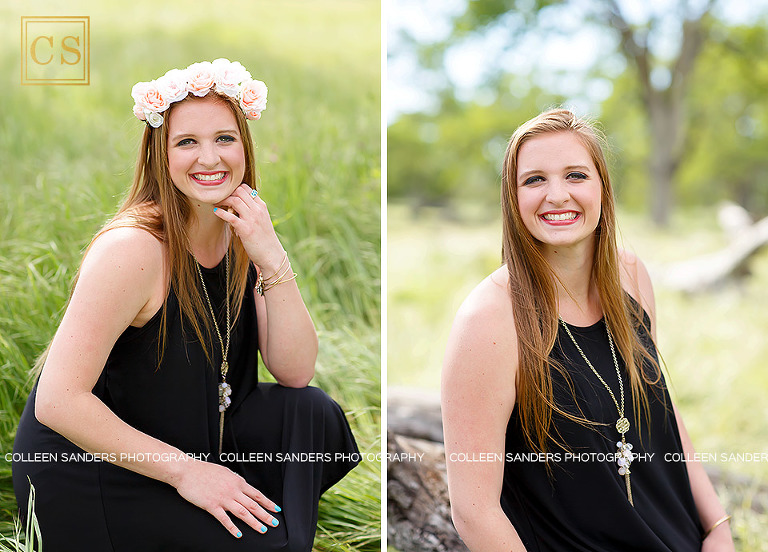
column 624, row 454
column 224, row 388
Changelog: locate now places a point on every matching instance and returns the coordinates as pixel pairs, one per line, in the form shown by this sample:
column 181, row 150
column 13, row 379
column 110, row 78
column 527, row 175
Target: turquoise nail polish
column 215, row 209
column 278, row 508
column 239, row 534
column 263, row 529
column 274, row 522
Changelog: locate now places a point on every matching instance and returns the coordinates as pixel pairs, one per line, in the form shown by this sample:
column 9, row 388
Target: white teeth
column 209, row 177
column 561, row 216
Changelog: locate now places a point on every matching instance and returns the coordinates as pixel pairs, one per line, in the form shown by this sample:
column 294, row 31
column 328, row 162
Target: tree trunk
column 664, row 106
column 665, row 128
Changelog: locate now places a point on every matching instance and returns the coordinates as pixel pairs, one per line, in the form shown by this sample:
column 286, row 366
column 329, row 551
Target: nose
column 557, row 191
column 208, row 155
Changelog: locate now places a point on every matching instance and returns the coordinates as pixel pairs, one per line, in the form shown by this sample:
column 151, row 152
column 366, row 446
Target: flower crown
column 228, row 77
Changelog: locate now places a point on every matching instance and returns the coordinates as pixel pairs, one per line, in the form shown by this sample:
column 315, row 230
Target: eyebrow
column 181, row 135
column 568, row 168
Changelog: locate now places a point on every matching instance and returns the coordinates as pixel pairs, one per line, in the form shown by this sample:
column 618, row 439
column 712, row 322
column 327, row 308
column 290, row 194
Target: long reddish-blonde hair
column 532, row 289
column 156, row 205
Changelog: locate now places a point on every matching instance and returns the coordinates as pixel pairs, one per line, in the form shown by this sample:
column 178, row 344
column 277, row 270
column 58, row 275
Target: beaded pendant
column 224, row 392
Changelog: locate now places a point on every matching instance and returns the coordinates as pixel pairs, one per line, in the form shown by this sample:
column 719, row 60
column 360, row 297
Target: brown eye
column 577, row 176
column 533, row 180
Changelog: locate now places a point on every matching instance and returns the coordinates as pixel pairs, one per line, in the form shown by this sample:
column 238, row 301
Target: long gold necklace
column 224, row 388
column 624, row 454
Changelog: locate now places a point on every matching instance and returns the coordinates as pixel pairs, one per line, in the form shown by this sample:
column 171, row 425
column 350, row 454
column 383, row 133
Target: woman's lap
column 115, row 509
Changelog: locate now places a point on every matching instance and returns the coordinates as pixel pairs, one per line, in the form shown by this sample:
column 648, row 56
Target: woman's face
column 558, row 189
column 205, row 149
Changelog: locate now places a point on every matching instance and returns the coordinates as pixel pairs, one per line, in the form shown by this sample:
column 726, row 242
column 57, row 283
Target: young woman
column 558, row 424
column 147, row 429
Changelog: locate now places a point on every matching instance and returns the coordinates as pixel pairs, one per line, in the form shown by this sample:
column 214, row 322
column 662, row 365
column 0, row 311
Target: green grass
column 68, row 154
column 714, row 344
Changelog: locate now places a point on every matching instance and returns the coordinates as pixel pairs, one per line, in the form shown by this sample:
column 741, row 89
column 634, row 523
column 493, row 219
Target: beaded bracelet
column 716, row 524
column 262, row 282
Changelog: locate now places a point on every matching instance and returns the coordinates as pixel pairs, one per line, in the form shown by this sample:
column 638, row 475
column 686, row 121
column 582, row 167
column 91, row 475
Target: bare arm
column 707, row 503
column 287, row 337
column 478, row 394
column 115, row 287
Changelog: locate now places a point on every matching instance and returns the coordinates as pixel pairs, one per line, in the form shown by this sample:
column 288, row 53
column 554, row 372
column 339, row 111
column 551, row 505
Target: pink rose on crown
column 253, row 98
column 173, row 85
column 228, row 76
column 200, row 78
column 148, row 97
column 139, row 112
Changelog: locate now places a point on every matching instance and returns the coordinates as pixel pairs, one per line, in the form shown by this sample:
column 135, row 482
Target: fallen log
column 418, row 508
column 418, row 511
column 713, row 271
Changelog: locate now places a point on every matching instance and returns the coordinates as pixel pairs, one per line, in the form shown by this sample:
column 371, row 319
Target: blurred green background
column 680, row 90
column 68, row 154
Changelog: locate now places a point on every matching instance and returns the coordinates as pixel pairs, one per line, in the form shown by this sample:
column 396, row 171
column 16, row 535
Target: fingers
column 223, row 518
column 259, row 497
column 241, row 200
column 253, row 514
column 245, row 514
column 225, row 215
column 248, row 511
column 221, row 492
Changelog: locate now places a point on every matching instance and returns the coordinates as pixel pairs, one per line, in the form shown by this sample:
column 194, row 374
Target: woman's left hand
column 251, row 222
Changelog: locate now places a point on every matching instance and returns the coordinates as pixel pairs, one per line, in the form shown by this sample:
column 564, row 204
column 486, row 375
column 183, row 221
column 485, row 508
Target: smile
column 561, row 218
column 209, row 178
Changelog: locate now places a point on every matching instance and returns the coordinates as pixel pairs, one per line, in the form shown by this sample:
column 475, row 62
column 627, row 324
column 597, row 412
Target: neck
column 577, row 295
column 208, row 236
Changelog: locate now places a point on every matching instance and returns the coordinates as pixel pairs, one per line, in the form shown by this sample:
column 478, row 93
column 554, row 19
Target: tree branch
column 632, row 49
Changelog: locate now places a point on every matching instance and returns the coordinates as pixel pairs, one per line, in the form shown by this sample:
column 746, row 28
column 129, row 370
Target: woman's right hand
column 218, row 490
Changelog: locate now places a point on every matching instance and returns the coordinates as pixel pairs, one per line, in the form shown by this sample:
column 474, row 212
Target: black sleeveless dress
column 583, row 506
column 270, row 433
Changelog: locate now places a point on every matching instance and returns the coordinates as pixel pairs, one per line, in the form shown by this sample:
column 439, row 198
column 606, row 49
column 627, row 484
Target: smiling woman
column 553, row 358
column 154, row 367
column 558, row 190
column 203, row 139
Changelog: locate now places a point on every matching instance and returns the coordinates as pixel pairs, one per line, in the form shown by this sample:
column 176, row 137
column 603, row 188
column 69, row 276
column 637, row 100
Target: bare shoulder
column 482, row 347
column 126, row 262
column 487, row 313
column 127, row 249
column 637, row 282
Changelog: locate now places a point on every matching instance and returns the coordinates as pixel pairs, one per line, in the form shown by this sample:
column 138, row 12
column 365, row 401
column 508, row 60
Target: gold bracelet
column 282, row 279
column 279, row 268
column 278, row 279
column 718, row 522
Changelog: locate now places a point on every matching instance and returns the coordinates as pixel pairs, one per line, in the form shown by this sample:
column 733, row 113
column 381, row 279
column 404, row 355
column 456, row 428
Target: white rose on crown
column 228, row 76
column 173, row 85
column 154, row 119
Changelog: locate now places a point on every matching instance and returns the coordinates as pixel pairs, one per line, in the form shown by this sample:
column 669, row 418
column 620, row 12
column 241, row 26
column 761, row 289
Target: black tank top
column 582, row 505
column 177, row 401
